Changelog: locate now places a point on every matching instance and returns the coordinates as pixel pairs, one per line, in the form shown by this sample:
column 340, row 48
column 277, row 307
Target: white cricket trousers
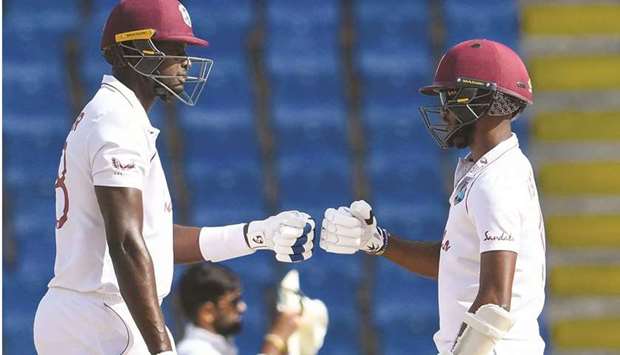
column 74, row 323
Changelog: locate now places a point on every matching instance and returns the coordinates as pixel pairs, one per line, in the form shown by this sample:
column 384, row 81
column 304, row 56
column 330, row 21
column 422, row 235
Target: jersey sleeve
column 496, row 213
column 118, row 156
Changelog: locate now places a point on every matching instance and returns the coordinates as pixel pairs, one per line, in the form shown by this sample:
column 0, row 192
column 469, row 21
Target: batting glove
column 289, row 234
column 349, row 229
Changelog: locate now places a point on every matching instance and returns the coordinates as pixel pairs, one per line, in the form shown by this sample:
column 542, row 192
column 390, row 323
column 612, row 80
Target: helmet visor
column 188, row 87
column 458, row 108
column 147, row 60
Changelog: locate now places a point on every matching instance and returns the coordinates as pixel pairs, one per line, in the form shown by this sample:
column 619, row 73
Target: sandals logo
column 500, row 237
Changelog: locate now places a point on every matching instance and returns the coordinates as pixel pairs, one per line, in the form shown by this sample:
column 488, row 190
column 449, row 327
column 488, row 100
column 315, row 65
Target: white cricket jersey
column 111, row 143
column 494, row 206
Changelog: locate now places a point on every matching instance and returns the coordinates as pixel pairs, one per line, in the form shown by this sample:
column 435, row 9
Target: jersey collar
column 130, row 96
column 469, row 168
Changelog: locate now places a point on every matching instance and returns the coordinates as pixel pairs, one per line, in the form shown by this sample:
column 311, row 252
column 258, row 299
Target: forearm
column 487, row 297
column 497, row 270
column 185, row 244
column 136, row 279
column 195, row 244
column 419, row 257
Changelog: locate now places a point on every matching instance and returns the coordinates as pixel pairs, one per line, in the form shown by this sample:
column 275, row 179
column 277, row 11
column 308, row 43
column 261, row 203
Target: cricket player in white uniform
column 115, row 238
column 490, row 264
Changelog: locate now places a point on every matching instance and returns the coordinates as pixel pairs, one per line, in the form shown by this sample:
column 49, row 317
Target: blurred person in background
column 116, row 243
column 210, row 296
column 490, row 264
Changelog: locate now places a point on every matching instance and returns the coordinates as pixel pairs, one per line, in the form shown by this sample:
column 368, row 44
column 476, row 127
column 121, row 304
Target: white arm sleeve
column 223, row 243
column 496, row 213
column 118, row 156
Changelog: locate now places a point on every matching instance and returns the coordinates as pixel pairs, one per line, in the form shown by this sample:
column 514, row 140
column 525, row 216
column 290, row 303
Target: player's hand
column 286, row 323
column 349, row 229
column 289, row 234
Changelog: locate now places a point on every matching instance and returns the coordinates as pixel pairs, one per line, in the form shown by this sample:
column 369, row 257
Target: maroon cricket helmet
column 168, row 18
column 486, row 61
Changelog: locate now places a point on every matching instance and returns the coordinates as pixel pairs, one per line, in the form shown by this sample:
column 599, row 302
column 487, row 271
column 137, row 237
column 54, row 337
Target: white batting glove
column 289, row 234
column 349, row 229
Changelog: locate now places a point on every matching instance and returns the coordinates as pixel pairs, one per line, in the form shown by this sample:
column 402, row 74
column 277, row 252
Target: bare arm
column 186, row 248
column 121, row 208
column 497, row 271
column 419, row 257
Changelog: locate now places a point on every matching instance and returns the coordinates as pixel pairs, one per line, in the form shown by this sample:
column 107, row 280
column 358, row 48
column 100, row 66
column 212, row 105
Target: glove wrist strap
column 254, row 234
column 385, row 237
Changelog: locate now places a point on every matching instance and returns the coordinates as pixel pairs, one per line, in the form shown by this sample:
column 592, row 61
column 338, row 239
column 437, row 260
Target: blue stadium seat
column 303, row 13
column 283, row 60
column 298, row 92
column 314, row 182
column 226, row 197
column 397, row 128
column 38, row 89
column 383, row 14
column 20, row 299
column 309, row 118
column 215, row 20
column 219, row 134
column 405, row 310
column 228, row 85
column 32, row 150
column 303, row 37
column 417, row 218
column 32, row 6
column 398, row 172
column 496, row 20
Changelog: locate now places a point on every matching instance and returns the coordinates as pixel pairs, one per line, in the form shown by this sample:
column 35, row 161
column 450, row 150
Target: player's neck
column 487, row 136
column 140, row 86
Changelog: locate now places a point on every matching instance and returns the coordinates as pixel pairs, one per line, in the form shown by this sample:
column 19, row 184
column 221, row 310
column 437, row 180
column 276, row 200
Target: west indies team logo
column 185, row 15
column 460, row 190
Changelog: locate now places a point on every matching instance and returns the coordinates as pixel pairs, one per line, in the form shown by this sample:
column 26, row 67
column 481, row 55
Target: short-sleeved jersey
column 111, row 143
column 494, row 206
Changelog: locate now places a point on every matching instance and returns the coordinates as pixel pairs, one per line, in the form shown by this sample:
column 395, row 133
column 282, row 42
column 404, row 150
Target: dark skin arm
column 497, row 271
column 419, row 257
column 185, row 244
column 121, row 209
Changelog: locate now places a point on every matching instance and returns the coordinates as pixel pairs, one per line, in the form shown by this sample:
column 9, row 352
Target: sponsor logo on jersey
column 461, row 189
column 503, row 236
column 118, row 165
column 445, row 246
